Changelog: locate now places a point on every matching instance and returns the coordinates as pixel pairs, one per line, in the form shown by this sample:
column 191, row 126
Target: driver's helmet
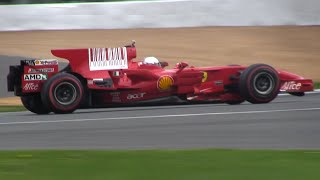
column 151, row 61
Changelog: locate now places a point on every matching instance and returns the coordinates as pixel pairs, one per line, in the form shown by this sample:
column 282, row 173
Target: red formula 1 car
column 109, row 76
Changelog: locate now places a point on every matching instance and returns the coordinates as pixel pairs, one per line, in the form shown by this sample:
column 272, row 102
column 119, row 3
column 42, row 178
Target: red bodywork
column 112, row 76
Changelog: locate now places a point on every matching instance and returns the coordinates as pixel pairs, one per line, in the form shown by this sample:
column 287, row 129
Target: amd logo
column 35, row 77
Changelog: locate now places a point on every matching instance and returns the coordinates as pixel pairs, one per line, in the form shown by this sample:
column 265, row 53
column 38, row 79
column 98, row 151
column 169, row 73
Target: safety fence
column 159, row 14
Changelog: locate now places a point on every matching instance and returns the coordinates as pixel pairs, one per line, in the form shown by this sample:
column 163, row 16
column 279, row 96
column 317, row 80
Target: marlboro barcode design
column 107, row 59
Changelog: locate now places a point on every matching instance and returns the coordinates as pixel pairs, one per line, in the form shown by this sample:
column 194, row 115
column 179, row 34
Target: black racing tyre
column 62, row 93
column 259, row 83
column 34, row 104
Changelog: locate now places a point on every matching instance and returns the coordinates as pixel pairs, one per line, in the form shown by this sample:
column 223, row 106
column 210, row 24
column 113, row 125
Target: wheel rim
column 263, row 83
column 65, row 93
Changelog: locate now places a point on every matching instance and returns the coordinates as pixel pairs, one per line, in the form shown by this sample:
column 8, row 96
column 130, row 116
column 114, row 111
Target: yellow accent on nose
column 204, row 77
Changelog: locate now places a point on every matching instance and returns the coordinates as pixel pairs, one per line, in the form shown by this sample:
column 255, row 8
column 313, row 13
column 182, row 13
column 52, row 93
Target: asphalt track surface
column 287, row 123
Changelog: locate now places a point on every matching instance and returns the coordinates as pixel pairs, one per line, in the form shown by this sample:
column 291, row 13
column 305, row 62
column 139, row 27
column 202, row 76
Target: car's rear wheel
column 34, row 104
column 62, row 93
column 259, row 83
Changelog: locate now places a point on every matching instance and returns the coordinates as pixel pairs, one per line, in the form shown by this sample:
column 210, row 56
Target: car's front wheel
column 62, row 93
column 259, row 83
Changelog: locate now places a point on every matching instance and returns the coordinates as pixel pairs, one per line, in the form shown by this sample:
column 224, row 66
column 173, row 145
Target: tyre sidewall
column 247, row 84
column 50, row 99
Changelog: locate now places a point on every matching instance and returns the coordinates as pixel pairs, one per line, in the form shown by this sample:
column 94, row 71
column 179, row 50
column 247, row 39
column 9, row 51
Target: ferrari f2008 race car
column 98, row 77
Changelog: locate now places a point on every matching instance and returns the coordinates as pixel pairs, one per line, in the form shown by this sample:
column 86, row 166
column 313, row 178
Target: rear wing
column 29, row 76
column 93, row 62
column 90, row 63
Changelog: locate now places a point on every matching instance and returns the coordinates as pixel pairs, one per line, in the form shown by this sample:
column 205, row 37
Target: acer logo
column 291, row 85
column 34, row 77
column 136, row 96
column 31, row 87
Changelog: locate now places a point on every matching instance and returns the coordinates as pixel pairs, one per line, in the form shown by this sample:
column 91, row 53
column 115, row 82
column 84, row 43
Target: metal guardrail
column 14, row 2
column 159, row 14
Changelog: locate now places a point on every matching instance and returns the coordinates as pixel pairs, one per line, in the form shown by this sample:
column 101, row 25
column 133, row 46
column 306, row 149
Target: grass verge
column 317, row 85
column 157, row 164
column 12, row 108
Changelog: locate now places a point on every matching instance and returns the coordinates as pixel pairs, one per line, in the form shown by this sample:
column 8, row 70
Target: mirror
column 164, row 64
column 183, row 65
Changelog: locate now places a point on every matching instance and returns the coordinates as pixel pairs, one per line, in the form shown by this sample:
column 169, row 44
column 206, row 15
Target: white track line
column 20, row 112
column 158, row 116
column 316, row 91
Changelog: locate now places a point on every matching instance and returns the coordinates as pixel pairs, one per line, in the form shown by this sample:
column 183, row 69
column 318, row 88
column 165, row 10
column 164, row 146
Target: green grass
column 12, row 108
column 156, row 164
column 317, row 85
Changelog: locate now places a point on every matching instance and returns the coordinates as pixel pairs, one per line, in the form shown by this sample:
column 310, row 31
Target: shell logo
column 165, row 82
